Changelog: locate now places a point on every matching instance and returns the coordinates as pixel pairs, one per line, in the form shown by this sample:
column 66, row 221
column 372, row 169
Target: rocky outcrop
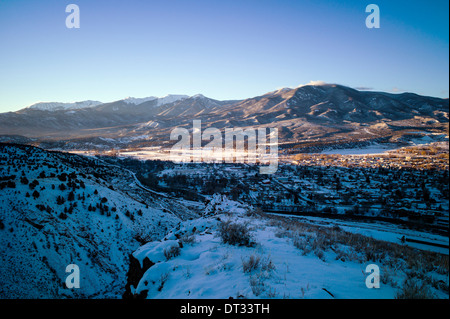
column 134, row 275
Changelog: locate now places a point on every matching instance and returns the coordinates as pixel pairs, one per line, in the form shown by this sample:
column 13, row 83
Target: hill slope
column 58, row 209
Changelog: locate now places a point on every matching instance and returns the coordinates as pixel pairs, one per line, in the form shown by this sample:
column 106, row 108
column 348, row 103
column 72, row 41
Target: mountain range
column 310, row 115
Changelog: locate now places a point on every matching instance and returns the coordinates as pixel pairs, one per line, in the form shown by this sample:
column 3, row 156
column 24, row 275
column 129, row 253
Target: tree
column 24, row 180
column 36, row 194
column 60, row 200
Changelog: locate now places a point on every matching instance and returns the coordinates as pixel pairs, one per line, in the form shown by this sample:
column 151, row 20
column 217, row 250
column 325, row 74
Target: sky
column 230, row 49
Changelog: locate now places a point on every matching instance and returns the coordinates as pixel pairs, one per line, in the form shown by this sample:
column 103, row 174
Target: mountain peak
column 57, row 106
column 198, row 96
column 169, row 98
column 137, row 101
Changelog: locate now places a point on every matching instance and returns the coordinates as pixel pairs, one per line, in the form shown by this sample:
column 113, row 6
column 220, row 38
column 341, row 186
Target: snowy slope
column 170, row 98
column 290, row 261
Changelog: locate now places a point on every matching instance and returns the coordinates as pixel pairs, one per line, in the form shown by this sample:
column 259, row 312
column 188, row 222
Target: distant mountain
column 336, row 103
column 57, row 106
column 306, row 115
column 160, row 100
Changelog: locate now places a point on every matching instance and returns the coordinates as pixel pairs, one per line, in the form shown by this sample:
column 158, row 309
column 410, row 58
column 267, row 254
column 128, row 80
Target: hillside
column 130, row 241
column 323, row 115
column 234, row 252
column 58, row 209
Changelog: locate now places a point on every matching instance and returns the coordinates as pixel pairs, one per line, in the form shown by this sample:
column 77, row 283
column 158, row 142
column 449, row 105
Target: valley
column 362, row 178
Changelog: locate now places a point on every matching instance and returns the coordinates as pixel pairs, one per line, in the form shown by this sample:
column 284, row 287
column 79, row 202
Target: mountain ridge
column 305, row 114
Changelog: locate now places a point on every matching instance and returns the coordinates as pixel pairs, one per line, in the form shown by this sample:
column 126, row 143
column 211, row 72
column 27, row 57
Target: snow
column 206, row 268
column 56, row 106
column 170, row 98
column 210, row 269
column 203, row 266
column 383, row 231
column 33, row 259
column 137, row 101
column 372, row 149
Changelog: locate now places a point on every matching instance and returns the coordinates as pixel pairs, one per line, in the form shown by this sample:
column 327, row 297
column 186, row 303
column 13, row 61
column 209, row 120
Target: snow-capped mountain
column 313, row 113
column 137, row 101
column 58, row 106
column 170, row 98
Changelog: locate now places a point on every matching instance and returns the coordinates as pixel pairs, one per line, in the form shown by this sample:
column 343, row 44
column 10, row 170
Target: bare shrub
column 162, row 280
column 235, row 234
column 413, row 288
column 302, row 243
column 256, row 262
column 188, row 239
column 172, row 251
column 257, row 285
column 250, row 264
column 442, row 265
column 320, row 254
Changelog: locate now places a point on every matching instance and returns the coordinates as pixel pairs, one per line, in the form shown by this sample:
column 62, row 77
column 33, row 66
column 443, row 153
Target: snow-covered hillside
column 130, row 241
column 232, row 252
column 58, row 209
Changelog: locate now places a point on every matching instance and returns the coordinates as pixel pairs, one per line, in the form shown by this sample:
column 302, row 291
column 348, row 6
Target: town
column 406, row 186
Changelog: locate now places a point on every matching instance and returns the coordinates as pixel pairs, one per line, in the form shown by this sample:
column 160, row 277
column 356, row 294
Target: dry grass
column 171, row 252
column 392, row 257
column 257, row 262
column 235, row 234
column 414, row 288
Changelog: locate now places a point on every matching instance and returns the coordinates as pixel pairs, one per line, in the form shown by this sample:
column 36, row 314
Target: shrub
column 413, row 288
column 257, row 285
column 188, row 239
column 235, row 234
column 255, row 262
column 63, row 216
column 302, row 243
column 171, row 252
column 251, row 264
column 162, row 280
column 35, row 194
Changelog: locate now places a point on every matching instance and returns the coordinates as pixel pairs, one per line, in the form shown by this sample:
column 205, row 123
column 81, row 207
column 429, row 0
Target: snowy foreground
column 55, row 212
column 129, row 241
column 279, row 260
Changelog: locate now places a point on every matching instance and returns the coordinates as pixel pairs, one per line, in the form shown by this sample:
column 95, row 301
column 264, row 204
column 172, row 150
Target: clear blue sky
column 229, row 49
